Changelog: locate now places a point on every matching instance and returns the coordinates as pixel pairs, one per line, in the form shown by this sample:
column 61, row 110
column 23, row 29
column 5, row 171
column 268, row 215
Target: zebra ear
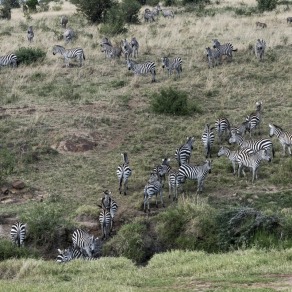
column 59, row 251
column 270, row 126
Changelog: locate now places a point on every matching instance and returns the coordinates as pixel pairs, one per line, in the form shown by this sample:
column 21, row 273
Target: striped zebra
column 167, row 13
column 176, row 65
column 111, row 52
column 284, row 137
column 30, row 34
column 18, row 233
column 198, row 172
column 213, row 57
column 135, row 47
column 68, row 254
column 222, row 126
column 241, row 129
column 142, row 69
column 7, row 60
column 105, row 221
column 252, row 161
column 77, row 53
column 233, row 155
column 260, row 48
column 86, row 242
column 105, row 41
column 254, row 119
column 110, row 205
column 162, row 169
column 156, row 10
column 208, row 138
column 289, row 19
column 64, row 21
column 183, row 153
column 173, row 184
column 225, row 49
column 148, row 15
column 123, row 173
column 261, row 24
column 68, row 35
column 126, row 48
column 255, row 145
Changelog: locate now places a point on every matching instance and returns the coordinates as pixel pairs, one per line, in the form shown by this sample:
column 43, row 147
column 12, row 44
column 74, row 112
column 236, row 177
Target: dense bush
column 267, row 5
column 31, row 4
column 130, row 10
column 5, row 9
column 29, row 55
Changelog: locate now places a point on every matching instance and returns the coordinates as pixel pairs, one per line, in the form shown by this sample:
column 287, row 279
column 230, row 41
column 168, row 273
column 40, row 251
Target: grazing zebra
column 225, row 49
column 111, row 52
column 86, row 242
column 153, row 188
column 68, row 35
column 77, row 53
column 260, row 48
column 18, row 233
column 173, row 184
column 142, row 69
column 233, row 155
column 68, row 254
column 168, row 13
column 222, row 126
column 162, row 169
column 7, row 60
column 254, row 119
column 176, row 65
column 123, row 173
column 30, row 34
column 135, row 47
column 127, row 49
column 284, row 137
column 289, row 19
column 261, row 24
column 105, row 220
column 108, row 204
column 255, row 145
column 241, row 129
column 64, row 21
column 148, row 15
column 183, row 153
column 213, row 57
column 252, row 161
column 208, row 138
column 198, row 173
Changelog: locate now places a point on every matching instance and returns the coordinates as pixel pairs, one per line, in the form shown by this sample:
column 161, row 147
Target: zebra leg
column 161, row 199
column 125, row 186
column 234, row 167
column 289, row 149
column 239, row 169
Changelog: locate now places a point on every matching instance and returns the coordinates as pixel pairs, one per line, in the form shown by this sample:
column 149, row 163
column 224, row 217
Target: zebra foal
column 7, row 60
column 142, row 69
column 18, row 233
column 284, row 137
column 123, row 173
column 175, row 64
column 260, row 48
column 77, row 53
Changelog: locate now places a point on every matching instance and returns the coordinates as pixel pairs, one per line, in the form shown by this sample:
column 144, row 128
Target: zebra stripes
column 126, row 48
column 30, row 34
column 18, row 233
column 176, row 65
column 225, row 49
column 213, row 57
column 111, row 52
column 284, row 137
column 167, row 13
column 162, row 169
column 7, row 60
column 198, row 173
column 68, row 255
column 86, row 242
column 183, row 153
column 222, row 126
column 148, row 15
column 260, row 48
column 77, row 53
column 108, row 204
column 142, row 69
column 173, row 184
column 254, row 119
column 105, row 220
column 135, row 47
column 123, row 173
column 208, row 138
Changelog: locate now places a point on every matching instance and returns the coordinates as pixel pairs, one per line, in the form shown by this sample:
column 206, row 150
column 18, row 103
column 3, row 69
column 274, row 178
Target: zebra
column 162, row 169
column 30, row 34
column 289, row 19
column 135, row 47
column 108, row 204
column 213, row 57
column 142, row 69
column 233, row 155
column 252, row 161
column 176, row 64
column 64, row 21
column 68, row 35
column 260, row 48
column 111, row 52
column 167, row 13
column 255, row 145
column 208, row 138
column 152, row 188
column 222, row 126
column 86, row 242
column 225, row 49
column 123, row 173
column 173, row 184
column 68, row 254
column 148, row 15
column 7, row 60
column 183, row 153
column 77, row 53
column 261, row 24
column 156, row 10
column 105, row 41
column 18, row 233
column 241, row 129
column 126, row 48
column 284, row 137
column 198, row 172
column 105, row 220
column 254, row 119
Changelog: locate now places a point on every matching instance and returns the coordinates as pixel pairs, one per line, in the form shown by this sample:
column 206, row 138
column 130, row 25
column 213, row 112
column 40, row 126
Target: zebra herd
column 149, row 15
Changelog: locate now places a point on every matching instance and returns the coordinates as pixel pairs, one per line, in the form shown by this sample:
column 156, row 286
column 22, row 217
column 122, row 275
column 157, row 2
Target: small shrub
column 29, row 56
column 267, row 5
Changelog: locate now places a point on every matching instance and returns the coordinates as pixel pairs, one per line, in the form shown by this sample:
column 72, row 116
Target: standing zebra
column 77, row 53
column 68, row 35
column 148, row 15
column 198, row 173
column 108, row 204
column 254, row 119
column 284, row 137
column 86, row 242
column 213, row 57
column 222, row 126
column 7, row 60
column 153, row 188
column 183, row 153
column 176, row 65
column 225, row 49
column 64, row 21
column 173, row 184
column 241, row 129
column 123, row 173
column 18, row 233
column 208, row 138
column 162, row 169
column 142, row 69
column 156, row 10
column 260, row 48
column 252, row 161
column 135, row 47
column 111, row 52
column 105, row 41
column 167, row 13
column 105, row 220
column 30, row 34
column 126, row 48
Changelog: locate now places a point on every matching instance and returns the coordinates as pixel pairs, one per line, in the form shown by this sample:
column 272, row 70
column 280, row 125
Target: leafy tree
column 5, row 10
column 130, row 9
column 267, row 5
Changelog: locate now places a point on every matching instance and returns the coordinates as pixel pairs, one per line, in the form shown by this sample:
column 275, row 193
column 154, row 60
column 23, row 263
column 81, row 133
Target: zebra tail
column 83, row 56
column 121, row 181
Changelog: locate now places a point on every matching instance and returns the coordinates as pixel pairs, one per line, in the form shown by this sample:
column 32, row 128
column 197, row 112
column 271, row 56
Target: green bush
column 31, row 4
column 5, row 10
column 267, row 5
column 29, row 55
column 130, row 9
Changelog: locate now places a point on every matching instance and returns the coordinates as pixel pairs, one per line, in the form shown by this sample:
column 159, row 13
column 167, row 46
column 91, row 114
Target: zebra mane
column 278, row 127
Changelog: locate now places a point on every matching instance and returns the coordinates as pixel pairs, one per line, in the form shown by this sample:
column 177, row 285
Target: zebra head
column 165, row 62
column 190, row 141
column 130, row 64
column 264, row 155
column 272, row 130
column 216, row 44
column 222, row 151
column 233, row 138
column 64, row 255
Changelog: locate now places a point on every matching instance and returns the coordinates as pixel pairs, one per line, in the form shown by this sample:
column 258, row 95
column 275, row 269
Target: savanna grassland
column 46, row 104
